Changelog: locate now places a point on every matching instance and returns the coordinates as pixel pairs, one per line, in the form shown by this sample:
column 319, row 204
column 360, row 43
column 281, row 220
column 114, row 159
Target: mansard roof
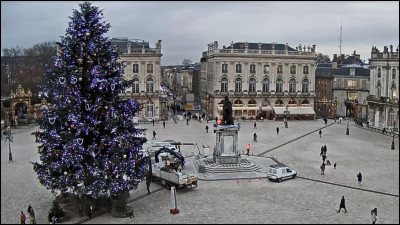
column 341, row 71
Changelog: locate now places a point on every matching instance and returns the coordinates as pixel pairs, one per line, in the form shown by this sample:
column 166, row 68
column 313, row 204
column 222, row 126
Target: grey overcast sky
column 186, row 28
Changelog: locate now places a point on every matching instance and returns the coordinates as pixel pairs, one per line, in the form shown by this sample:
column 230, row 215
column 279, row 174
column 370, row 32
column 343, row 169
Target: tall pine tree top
column 90, row 144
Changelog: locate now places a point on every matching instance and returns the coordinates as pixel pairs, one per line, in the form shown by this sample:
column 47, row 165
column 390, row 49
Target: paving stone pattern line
column 262, row 153
column 341, row 185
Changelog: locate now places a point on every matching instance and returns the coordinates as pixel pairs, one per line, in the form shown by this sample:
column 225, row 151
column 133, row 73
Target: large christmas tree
column 89, row 144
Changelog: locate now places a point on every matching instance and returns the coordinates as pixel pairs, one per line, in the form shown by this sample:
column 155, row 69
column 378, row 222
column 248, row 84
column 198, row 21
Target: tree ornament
column 125, row 156
column 87, row 34
column 62, row 80
column 80, row 61
column 65, row 173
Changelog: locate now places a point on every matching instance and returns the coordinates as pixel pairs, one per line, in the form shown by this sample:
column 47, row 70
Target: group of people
column 31, row 213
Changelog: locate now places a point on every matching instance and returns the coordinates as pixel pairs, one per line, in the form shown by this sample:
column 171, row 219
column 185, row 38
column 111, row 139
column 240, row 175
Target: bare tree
column 186, row 62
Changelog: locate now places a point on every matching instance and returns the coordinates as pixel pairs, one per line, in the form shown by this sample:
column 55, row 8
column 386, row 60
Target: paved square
column 310, row 198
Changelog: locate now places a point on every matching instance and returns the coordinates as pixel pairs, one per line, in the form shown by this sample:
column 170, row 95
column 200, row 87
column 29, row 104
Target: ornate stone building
column 261, row 80
column 383, row 102
column 143, row 65
column 342, row 88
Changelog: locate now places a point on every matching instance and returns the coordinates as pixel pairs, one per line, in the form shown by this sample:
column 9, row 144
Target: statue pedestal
column 226, row 151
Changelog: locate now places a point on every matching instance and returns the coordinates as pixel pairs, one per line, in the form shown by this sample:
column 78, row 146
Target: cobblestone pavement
column 258, row 201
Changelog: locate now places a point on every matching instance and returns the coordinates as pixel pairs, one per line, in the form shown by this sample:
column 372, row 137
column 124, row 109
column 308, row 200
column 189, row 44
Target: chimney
column 334, row 64
column 341, row 58
column 334, row 56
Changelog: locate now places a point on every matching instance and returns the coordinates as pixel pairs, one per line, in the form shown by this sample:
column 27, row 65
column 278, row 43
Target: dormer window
column 352, row 72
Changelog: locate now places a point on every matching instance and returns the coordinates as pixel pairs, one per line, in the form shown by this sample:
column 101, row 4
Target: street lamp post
column 8, row 137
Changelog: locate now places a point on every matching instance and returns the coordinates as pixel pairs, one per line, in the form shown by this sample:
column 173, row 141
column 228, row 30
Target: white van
column 280, row 172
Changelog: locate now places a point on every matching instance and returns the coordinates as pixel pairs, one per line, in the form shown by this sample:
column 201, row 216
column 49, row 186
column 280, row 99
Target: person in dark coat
column 148, row 183
column 154, row 134
column 277, row 130
column 320, row 132
column 131, row 212
column 163, row 123
column 207, row 129
column 153, row 122
column 322, row 151
column 359, row 176
column 342, row 205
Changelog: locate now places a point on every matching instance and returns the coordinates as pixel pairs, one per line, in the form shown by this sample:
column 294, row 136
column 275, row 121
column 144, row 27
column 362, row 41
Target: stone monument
column 226, row 151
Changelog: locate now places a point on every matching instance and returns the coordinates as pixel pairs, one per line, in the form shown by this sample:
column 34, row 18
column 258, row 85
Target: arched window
column 379, row 89
column 252, row 102
column 292, row 101
column 305, row 101
column 393, row 74
column 238, row 85
column 304, row 86
column 224, row 85
column 292, row 86
column 279, row 102
column 149, row 85
column 265, row 85
column 238, row 68
column 238, row 102
column 279, row 84
column 379, row 72
column 252, row 85
column 393, row 91
column 135, row 86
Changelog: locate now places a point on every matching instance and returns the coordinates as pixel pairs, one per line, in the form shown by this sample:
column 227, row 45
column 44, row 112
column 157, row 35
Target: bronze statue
column 227, row 113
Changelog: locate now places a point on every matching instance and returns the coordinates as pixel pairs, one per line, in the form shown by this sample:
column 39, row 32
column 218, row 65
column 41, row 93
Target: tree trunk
column 120, row 205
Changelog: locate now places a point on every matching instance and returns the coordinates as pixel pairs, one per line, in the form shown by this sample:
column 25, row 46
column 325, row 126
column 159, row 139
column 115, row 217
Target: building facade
column 383, row 102
column 143, row 66
column 261, row 80
column 342, row 89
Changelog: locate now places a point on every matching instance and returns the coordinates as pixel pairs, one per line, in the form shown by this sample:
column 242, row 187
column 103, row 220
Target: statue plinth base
column 225, row 151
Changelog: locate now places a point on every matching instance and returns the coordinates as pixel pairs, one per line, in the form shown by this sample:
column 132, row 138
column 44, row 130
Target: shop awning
column 241, row 108
column 294, row 110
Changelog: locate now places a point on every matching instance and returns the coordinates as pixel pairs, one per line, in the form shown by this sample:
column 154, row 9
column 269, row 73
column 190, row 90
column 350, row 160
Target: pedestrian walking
column 31, row 213
column 342, row 205
column 23, row 217
column 322, row 168
column 323, row 158
column 207, row 129
column 359, row 176
column 374, row 214
column 334, row 165
column 322, row 151
column 153, row 121
column 148, row 183
column 277, row 130
column 154, row 134
column 255, row 125
column 248, row 149
column 187, row 121
column 320, row 132
column 216, row 119
column 163, row 123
